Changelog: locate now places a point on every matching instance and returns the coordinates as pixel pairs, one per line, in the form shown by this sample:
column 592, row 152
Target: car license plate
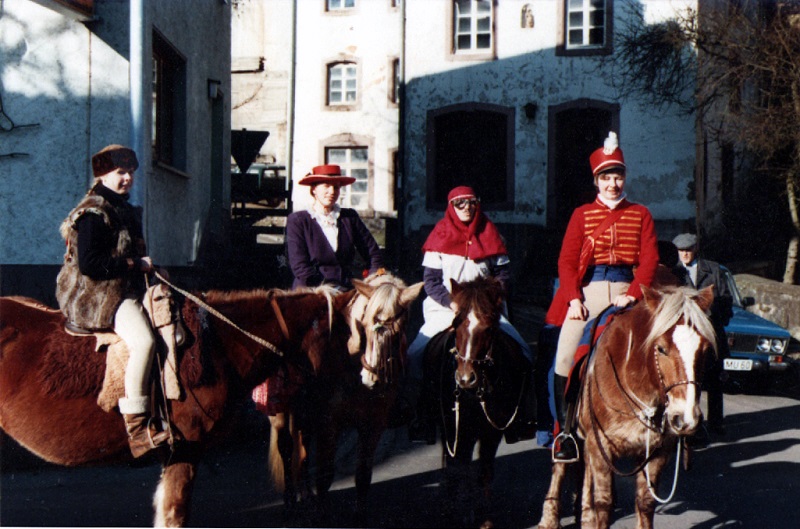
column 735, row 364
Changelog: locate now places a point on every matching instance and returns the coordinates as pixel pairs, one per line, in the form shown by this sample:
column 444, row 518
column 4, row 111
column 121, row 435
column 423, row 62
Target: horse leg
column 327, row 437
column 598, row 490
column 551, row 508
column 368, row 437
column 645, row 503
column 281, row 458
column 487, row 452
column 173, row 494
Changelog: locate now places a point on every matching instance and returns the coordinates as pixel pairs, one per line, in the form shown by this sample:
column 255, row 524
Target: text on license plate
column 736, row 364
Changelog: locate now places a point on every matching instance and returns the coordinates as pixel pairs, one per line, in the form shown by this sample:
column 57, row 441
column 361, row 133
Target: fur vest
column 91, row 303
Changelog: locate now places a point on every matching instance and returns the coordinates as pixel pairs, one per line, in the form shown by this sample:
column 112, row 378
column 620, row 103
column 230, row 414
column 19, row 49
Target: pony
column 50, row 380
column 479, row 389
column 639, row 395
column 365, row 392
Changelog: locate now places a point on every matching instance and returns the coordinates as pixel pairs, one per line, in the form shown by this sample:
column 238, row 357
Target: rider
column 322, row 240
column 102, row 280
column 610, row 248
column 463, row 245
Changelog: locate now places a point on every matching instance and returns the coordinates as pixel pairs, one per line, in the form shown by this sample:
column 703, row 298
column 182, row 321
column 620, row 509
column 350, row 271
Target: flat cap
column 685, row 241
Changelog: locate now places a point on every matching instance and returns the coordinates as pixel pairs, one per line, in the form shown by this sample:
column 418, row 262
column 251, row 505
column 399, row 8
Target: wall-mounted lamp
column 530, row 110
column 214, row 89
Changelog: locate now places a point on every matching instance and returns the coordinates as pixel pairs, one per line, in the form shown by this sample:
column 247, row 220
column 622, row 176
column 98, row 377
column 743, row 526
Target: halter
column 385, row 370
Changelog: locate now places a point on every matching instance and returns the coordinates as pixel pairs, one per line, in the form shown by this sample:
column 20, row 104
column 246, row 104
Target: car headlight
column 778, row 346
column 763, row 345
column 771, row 345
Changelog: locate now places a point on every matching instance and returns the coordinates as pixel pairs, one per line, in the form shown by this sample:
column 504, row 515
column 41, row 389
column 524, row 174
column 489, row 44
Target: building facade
column 76, row 75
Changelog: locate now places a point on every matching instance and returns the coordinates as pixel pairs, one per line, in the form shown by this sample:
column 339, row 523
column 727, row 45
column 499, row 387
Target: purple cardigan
column 311, row 257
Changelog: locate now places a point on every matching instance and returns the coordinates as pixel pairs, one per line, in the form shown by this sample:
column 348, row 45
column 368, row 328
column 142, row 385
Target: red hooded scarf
column 477, row 240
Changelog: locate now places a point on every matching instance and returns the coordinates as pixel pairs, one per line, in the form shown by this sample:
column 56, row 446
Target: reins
column 261, row 341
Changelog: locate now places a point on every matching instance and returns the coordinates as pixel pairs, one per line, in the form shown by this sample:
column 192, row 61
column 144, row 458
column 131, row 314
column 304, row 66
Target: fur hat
column 112, row 157
column 685, row 241
column 326, row 174
column 609, row 156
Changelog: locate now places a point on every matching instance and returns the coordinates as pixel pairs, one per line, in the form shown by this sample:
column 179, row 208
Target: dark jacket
column 311, row 257
column 101, row 233
column 709, row 273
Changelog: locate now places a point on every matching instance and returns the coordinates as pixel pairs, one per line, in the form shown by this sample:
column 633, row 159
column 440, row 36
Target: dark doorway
column 471, row 144
column 576, row 131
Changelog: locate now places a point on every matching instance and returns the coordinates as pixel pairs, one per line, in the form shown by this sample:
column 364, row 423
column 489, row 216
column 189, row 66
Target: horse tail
column 275, row 459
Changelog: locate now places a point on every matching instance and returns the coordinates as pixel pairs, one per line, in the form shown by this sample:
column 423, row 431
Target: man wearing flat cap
column 700, row 273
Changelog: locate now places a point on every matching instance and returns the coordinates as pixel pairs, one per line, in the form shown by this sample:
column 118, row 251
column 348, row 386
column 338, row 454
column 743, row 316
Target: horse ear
column 411, row 293
column 651, row 296
column 340, row 301
column 363, row 288
column 455, row 287
column 705, row 298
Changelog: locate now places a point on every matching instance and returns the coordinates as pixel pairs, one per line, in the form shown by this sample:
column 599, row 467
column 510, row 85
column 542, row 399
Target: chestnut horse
column 479, row 390
column 50, row 380
column 640, row 394
column 364, row 393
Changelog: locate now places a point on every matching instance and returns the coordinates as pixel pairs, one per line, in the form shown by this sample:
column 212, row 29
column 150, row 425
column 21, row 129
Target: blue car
column 756, row 344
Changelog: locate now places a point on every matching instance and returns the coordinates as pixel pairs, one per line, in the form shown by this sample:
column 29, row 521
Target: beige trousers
column 133, row 326
column 597, row 295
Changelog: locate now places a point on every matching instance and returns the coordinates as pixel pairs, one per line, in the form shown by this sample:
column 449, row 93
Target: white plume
column 611, row 144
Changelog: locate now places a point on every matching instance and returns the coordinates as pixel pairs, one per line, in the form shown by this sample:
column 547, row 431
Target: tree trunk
column 790, row 272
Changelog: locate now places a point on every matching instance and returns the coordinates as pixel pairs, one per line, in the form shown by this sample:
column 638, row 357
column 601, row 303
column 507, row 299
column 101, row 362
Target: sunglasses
column 464, row 203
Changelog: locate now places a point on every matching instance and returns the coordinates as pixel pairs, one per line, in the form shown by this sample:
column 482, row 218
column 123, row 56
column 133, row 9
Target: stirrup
column 560, row 439
column 164, row 434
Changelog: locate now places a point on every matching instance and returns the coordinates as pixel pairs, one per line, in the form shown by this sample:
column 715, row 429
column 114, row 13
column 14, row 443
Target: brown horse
column 639, row 395
column 50, row 380
column 364, row 392
column 479, row 390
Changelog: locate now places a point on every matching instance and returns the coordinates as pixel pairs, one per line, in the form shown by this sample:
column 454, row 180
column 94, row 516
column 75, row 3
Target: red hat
column 326, row 174
column 609, row 156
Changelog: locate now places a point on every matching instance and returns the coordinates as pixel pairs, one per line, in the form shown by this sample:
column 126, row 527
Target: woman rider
column 102, row 280
column 609, row 250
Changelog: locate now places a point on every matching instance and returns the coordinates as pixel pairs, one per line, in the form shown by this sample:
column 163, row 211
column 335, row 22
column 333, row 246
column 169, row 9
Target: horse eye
column 660, row 349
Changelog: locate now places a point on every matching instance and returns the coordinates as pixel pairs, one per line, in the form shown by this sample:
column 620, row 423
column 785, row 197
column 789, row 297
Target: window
column 342, row 83
column 472, row 26
column 354, row 162
column 586, row 27
column 471, row 144
column 168, row 133
column 394, row 87
column 337, row 5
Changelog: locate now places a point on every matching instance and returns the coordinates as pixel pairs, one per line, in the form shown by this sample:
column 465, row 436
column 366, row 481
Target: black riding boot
column 423, row 428
column 524, row 426
column 564, row 447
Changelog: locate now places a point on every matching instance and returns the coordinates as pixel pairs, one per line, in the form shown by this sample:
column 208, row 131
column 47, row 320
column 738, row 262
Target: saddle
column 157, row 302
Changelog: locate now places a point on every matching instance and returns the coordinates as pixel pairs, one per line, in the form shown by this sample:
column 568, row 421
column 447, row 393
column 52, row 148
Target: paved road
column 750, row 480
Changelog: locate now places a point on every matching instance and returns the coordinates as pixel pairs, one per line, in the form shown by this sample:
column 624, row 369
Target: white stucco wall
column 658, row 145
column 73, row 82
column 369, row 34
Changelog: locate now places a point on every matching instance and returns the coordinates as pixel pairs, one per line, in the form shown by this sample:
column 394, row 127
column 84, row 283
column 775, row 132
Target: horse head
column 477, row 321
column 680, row 337
column 378, row 319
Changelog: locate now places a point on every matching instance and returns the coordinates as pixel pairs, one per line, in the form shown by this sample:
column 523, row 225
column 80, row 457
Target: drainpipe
column 291, row 102
column 400, row 202
column 137, row 131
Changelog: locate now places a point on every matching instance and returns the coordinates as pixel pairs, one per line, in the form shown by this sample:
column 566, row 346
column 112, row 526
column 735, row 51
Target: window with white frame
column 354, row 162
column 168, row 92
column 472, row 26
column 342, row 83
column 394, row 89
column 585, row 23
column 337, row 5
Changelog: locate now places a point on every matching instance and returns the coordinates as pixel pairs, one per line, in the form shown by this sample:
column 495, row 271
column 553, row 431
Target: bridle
column 389, row 367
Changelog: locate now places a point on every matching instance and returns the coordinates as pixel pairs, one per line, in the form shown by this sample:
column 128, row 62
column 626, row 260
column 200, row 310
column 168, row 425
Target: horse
column 479, row 390
column 50, row 380
column 365, row 392
column 639, row 395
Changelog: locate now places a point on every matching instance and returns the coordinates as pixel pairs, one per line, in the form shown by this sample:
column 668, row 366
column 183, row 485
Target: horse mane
column 481, row 295
column 677, row 303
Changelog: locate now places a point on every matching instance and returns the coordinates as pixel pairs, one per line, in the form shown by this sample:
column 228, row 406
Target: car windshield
column 737, row 296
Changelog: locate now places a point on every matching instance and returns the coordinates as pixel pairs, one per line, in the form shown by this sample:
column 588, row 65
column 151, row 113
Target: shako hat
column 607, row 157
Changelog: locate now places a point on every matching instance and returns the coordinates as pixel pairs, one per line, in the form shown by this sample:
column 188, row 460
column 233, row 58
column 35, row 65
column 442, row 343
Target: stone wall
column 775, row 301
